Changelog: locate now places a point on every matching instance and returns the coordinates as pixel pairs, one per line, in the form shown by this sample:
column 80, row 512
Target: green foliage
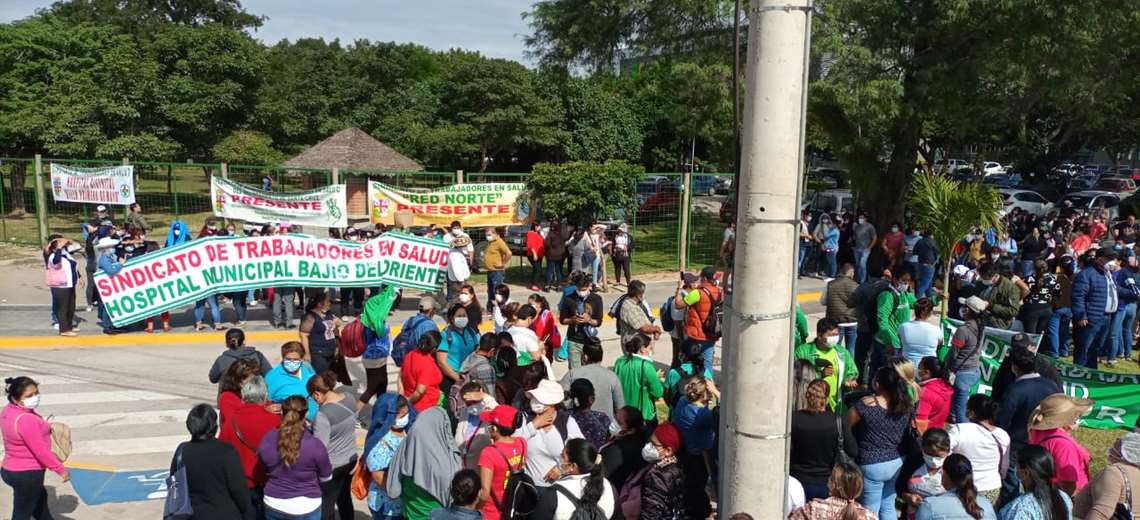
column 247, row 147
column 600, row 123
column 581, row 191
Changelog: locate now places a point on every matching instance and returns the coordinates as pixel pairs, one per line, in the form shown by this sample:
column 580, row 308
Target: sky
column 493, row 27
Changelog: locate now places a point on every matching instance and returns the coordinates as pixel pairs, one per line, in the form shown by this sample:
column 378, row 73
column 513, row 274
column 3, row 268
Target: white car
column 1028, row 201
column 1094, row 201
column 991, row 167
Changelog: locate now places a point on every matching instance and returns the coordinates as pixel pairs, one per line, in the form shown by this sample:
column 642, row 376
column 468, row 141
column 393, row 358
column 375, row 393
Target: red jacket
column 698, row 313
column 934, row 402
column 547, row 331
column 534, row 244
column 254, row 421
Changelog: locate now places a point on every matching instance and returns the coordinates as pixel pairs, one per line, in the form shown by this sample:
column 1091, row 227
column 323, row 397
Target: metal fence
column 664, row 229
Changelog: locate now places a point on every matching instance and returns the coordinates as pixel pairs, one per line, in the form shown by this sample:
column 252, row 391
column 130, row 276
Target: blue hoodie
column 183, row 233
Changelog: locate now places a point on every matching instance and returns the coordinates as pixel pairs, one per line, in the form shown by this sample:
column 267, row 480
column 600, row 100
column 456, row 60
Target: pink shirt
column 29, row 448
column 1069, row 457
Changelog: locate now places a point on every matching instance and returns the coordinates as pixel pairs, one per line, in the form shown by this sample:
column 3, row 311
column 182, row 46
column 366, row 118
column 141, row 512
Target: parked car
column 645, row 189
column 665, row 201
column 724, row 185
column 830, row 201
column 1028, row 201
column 991, row 168
column 1002, row 180
column 704, row 184
column 1095, row 201
column 951, row 165
column 1115, row 185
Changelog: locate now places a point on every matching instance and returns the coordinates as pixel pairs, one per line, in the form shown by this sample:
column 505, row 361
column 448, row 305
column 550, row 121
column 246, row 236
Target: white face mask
column 932, row 461
column 537, row 407
column 1110, row 265
column 833, row 340
column 461, row 322
column 583, row 294
column 465, row 298
column 862, row 221
column 401, row 423
column 499, row 298
column 32, row 402
column 649, row 453
column 894, row 229
column 490, row 237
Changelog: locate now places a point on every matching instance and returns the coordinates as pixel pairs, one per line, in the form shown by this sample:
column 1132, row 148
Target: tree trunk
column 889, row 203
column 18, row 180
column 482, row 157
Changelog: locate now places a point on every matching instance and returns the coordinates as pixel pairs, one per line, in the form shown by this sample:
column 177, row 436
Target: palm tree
column 948, row 209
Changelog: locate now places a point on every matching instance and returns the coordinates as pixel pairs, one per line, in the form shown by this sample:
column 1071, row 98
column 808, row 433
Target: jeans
column 215, row 312
column 1089, row 340
column 850, row 337
column 879, row 487
column 708, row 348
column 92, row 295
column 54, row 309
column 861, row 256
column 925, row 280
column 337, row 493
column 494, row 279
column 29, row 497
column 283, row 307
column 270, row 514
column 806, row 251
column 964, row 381
column 104, row 317
column 535, row 271
column 1026, row 268
column 1010, row 483
column 1057, row 336
column 832, row 268
column 241, row 305
column 1111, row 347
column 1125, row 349
column 596, row 269
column 553, row 272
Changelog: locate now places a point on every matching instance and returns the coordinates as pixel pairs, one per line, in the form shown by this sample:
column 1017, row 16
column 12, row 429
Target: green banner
column 1117, row 396
column 177, row 276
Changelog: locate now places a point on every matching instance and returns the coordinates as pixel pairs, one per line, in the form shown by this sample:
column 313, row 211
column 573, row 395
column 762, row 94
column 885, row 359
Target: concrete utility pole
column 758, row 347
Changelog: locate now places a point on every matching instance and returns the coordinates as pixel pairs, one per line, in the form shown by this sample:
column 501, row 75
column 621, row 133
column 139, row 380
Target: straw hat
column 1058, row 410
column 974, row 303
column 462, row 240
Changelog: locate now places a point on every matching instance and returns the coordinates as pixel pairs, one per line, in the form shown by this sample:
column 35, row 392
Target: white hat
column 548, row 392
column 974, row 303
column 100, row 208
column 106, row 243
column 961, row 270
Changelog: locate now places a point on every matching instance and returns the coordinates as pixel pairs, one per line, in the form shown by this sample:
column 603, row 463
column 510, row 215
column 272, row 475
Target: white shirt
column 621, row 243
column 525, row 341
column 796, row 498
column 575, row 484
column 457, row 268
column 988, row 452
column 544, row 448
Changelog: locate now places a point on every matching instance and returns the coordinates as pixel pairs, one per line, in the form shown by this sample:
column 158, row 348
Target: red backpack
column 352, row 339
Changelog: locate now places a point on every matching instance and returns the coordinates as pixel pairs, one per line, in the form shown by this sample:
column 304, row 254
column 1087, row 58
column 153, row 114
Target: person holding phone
column 833, row 362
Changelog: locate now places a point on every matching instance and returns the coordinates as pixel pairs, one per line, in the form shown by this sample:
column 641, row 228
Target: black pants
column 355, row 294
column 1035, row 318
column 863, row 344
column 621, row 264
column 257, row 497
column 337, row 493
column 65, row 306
column 29, row 497
column 92, row 294
column 322, row 360
column 535, row 271
column 376, row 385
column 675, row 363
column 697, row 503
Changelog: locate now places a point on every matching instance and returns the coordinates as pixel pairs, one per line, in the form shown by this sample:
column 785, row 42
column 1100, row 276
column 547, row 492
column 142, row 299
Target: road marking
column 807, row 297
column 123, row 419
column 117, row 396
column 42, row 379
column 131, row 446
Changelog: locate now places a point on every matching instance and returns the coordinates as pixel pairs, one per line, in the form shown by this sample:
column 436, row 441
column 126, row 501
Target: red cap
column 668, row 435
column 502, row 415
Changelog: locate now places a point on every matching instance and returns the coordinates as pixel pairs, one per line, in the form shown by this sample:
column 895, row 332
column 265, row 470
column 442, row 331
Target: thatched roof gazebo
column 353, row 149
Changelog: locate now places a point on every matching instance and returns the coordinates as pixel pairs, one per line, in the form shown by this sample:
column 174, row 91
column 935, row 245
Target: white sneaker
column 90, row 308
column 55, row 326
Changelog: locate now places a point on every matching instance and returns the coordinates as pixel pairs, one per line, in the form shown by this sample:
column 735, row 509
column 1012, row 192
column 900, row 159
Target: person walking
column 608, row 394
column 214, row 473
column 984, row 444
column 837, row 305
column 335, row 427
column 535, row 251
column 640, row 380
column 581, row 311
column 236, row 350
column 296, row 463
column 1017, row 404
column 961, row 500
column 1041, row 500
column 581, row 488
column 818, row 434
column 244, row 429
column 420, row 376
column 845, row 485
column 1118, row 483
column 1094, row 300
column 420, row 472
column 27, row 450
column 879, row 422
column 495, row 259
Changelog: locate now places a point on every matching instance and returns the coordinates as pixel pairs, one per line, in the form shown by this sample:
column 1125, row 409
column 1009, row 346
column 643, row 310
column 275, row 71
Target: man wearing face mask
column 547, row 432
column 864, row 238
column 572, row 312
column 495, row 260
column 833, row 362
column 1094, row 301
column 1001, row 294
column 458, row 264
column 1056, row 340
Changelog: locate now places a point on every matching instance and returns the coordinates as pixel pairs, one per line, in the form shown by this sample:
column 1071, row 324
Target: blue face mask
column 292, row 365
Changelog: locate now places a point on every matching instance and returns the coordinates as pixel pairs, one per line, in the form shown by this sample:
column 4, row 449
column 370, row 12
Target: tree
column 600, row 122
column 948, row 210
column 141, row 16
column 581, row 191
column 247, row 147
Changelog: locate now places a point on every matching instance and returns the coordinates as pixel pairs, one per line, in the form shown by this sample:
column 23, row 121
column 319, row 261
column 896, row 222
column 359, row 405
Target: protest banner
column 113, row 185
column 177, row 276
column 322, row 207
column 1117, row 396
column 473, row 205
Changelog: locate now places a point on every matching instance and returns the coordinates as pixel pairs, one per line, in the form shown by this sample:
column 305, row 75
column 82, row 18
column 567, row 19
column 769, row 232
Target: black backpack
column 587, row 512
column 667, row 315
column 871, row 306
column 712, row 324
column 520, row 498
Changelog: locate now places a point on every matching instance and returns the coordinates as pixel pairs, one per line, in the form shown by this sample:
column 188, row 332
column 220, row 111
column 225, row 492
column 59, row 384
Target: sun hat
column 462, row 240
column 974, row 303
column 106, row 243
column 502, row 415
column 1058, row 410
column 548, row 392
column 100, row 208
column 1127, row 448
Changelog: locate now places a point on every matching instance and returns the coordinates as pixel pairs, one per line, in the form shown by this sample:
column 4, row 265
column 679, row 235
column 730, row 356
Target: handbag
column 1123, row 510
column 177, row 505
column 361, row 480
column 841, row 456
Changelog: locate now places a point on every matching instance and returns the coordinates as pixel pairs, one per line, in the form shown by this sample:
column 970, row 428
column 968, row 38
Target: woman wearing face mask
column 379, row 458
column 498, row 308
column 295, row 463
column 420, row 376
column 319, row 331
column 582, row 486
column 640, row 380
column 936, row 395
column 470, row 300
column 1119, row 483
column 965, row 358
column 961, row 500
column 547, row 432
column 58, row 261
column 459, row 341
column 925, row 480
column 893, row 243
column 879, row 423
column 335, row 427
column 290, row 377
column 27, row 449
column 1041, row 500
column 545, row 326
column 663, row 485
column 827, row 233
column 1050, row 425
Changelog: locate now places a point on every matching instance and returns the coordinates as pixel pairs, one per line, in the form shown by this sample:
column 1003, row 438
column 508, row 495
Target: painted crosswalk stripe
column 117, row 396
column 56, row 380
column 129, row 446
column 123, row 419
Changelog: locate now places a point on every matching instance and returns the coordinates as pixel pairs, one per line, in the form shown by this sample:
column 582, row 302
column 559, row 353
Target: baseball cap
column 100, row 208
column 1021, row 340
column 502, row 415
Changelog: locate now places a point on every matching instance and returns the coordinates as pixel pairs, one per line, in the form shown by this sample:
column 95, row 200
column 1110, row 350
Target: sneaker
column 252, row 303
column 69, row 334
column 90, row 308
column 239, row 324
column 199, row 327
column 219, row 327
column 55, row 326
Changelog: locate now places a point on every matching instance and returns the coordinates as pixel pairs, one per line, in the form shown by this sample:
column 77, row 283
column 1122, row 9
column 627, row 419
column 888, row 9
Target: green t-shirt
column 417, row 503
column 833, row 380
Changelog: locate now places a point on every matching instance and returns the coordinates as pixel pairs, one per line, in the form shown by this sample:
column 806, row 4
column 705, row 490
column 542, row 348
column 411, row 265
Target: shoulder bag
column 841, row 455
column 1123, row 510
column 177, row 506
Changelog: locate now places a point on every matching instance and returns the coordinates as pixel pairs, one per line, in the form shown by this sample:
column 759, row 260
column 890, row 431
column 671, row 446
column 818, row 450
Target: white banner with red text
column 113, row 185
column 322, row 207
column 171, row 278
